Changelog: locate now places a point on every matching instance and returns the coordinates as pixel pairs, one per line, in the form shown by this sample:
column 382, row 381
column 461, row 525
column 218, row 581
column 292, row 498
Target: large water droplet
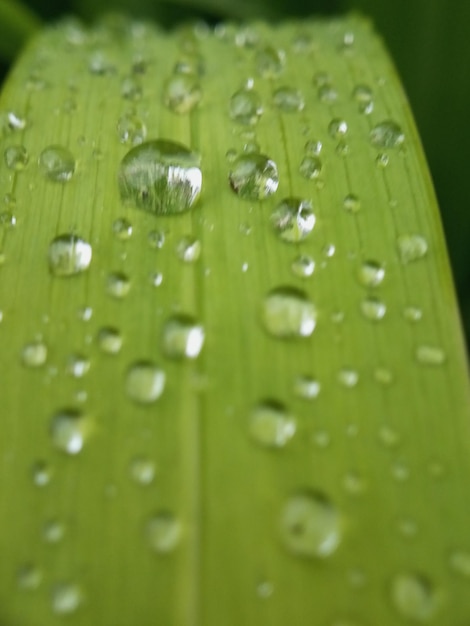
column 288, row 99
column 69, row 255
column 145, row 382
column 68, row 430
column 414, row 597
column 164, row 532
column 371, row 273
column 411, row 247
column 245, row 107
column 183, row 337
column 270, row 424
column 310, row 525
column 287, row 312
column 254, row 176
column 66, row 598
column 387, row 134
column 160, row 176
column 57, row 163
column 293, row 219
column 182, row 93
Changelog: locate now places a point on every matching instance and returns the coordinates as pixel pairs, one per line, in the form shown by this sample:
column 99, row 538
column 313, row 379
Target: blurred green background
column 429, row 41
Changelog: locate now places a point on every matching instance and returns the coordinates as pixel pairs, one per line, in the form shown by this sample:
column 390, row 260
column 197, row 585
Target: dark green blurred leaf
column 17, row 24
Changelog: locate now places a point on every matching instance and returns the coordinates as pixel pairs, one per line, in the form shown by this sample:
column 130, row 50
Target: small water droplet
column 53, row 531
column 310, row 525
column 459, row 562
column 362, row 93
column 68, row 430
column 11, row 122
column 288, row 99
column 160, row 176
column 131, row 129
column 413, row 314
column 382, row 160
column 313, row 148
column 78, row 365
column 293, row 219
column 182, row 93
column 287, row 313
column 303, row 266
column 41, row 473
column 265, row 589
column 66, row 598
column 351, row 203
column 329, row 250
column 414, row 597
column 270, row 62
column 321, row 438
column 407, row 527
column 348, row 377
column 183, row 337
column 145, row 382
column 245, row 107
column 373, row 309
column 16, row 158
column 354, row 483
column 254, row 176
column 400, row 471
column 327, row 94
column 430, row 355
column 337, row 128
column 387, row 134
column 131, row 89
column 310, row 167
column 156, row 279
column 306, row 387
column 383, row 376
column 69, row 255
column 57, row 163
column 118, row 284
column 109, row 340
column 411, row 247
column 270, row 424
column 142, row 470
column 34, row 354
column 371, row 273
column 188, row 249
column 164, row 532
column 122, row 228
column 29, row 577
column 388, row 437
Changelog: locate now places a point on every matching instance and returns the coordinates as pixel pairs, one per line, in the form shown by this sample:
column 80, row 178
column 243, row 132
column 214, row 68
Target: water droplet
column 254, row 176
column 57, row 163
column 16, row 158
column 412, row 314
column 145, row 382
column 156, row 279
column 288, row 100
column 188, row 249
column 354, row 483
column 182, row 93
column 321, row 438
column 34, row 354
column 306, row 387
column 7, row 220
column 351, row 203
column 303, row 266
column 160, row 176
column 265, row 589
column 183, row 337
column 387, row 134
column 68, row 430
column 382, row 160
column 118, row 284
column 245, row 107
column 131, row 89
column 411, row 247
column 122, row 228
column 371, row 274
column 327, row 94
column 407, row 527
column 78, row 365
column 131, row 129
column 66, row 598
column 293, row 219
column 69, row 255
column 53, row 531
column 109, row 340
column 270, row 62
column 362, row 93
column 388, row 437
column 459, row 562
column 99, row 64
column 142, row 470
column 430, row 355
column 348, row 377
column 329, row 250
column 373, row 308
column 310, row 525
column 383, row 376
column 270, row 425
column 287, row 312
column 310, row 167
column 164, row 532
column 414, row 597
column 313, row 148
column 400, row 471
column 41, row 473
column 11, row 122
column 29, row 576
column 337, row 128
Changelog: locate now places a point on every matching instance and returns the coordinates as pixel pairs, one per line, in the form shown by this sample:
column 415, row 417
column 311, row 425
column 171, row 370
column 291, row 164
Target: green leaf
column 17, row 24
column 243, row 407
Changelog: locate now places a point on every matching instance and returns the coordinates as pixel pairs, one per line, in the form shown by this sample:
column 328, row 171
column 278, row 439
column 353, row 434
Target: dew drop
column 373, row 309
column 362, row 94
column 142, row 470
column 188, row 249
column 288, row 313
column 411, row 247
column 53, row 531
column 182, row 93
column 122, row 228
column 265, row 589
column 156, row 239
column 310, row 525
column 183, row 337
column 459, row 562
column 163, row 532
column 145, row 382
column 293, row 219
column 388, row 437
column 16, row 158
column 131, row 89
column 78, row 365
column 270, row 62
column 310, row 167
column 430, row 355
column 270, row 425
column 383, row 376
column 348, row 377
column 11, row 122
column 288, row 100
column 156, row 279
column 57, row 163
column 414, row 597
column 109, row 340
column 313, row 148
column 245, row 107
column 254, row 176
column 327, row 94
column 337, row 128
column 131, row 130
column 387, row 134
column 118, row 284
column 69, row 255
column 351, row 203
column 371, row 273
column 41, row 473
column 413, row 314
column 306, row 387
column 303, row 266
column 66, row 598
column 29, row 577
column 68, row 430
column 34, row 354
column 161, row 177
